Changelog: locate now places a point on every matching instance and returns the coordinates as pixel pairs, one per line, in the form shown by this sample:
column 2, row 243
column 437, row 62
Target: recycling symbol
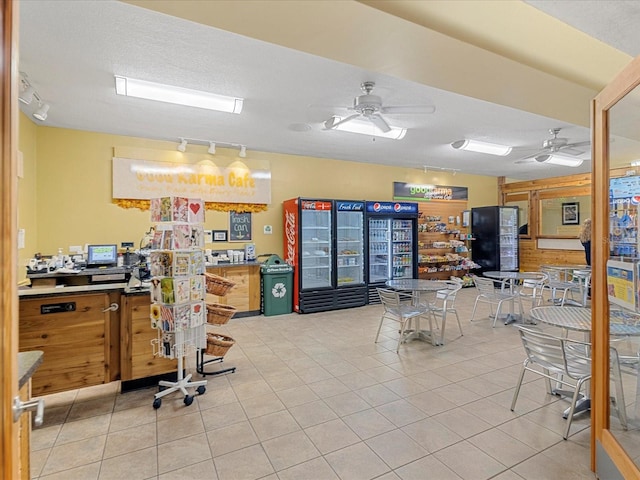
column 279, row 290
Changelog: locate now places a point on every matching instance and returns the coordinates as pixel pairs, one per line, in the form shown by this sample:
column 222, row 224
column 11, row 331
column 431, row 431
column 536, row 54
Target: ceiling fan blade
column 379, row 122
column 579, row 144
column 531, row 156
column 333, row 122
column 571, row 151
column 408, row 109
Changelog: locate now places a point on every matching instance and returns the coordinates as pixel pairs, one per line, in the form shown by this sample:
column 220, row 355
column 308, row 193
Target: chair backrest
column 559, row 355
column 448, row 293
column 390, row 299
column 553, row 275
column 484, row 286
column 532, row 286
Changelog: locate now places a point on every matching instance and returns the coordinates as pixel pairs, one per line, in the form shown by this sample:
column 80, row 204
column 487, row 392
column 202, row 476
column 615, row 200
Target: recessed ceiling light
column 178, row 95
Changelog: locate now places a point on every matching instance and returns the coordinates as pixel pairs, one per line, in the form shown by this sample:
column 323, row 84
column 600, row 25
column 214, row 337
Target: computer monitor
column 102, row 255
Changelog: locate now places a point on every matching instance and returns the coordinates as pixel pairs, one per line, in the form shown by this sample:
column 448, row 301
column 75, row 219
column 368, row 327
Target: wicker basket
column 218, row 285
column 218, row 344
column 218, row 314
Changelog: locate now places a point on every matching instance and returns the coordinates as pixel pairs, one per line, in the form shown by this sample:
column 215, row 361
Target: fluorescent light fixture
column 212, row 148
column 178, row 95
column 182, row 146
column 42, row 112
column 364, row 128
column 482, row 147
column 559, row 160
column 243, row 151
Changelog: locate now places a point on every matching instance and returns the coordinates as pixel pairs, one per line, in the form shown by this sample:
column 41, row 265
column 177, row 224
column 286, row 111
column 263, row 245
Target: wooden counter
column 245, row 296
column 86, row 342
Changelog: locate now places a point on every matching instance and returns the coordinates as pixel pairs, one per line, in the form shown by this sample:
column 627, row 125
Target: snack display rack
column 178, row 288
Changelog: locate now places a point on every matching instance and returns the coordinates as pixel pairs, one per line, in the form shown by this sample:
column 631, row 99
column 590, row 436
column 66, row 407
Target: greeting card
column 196, row 210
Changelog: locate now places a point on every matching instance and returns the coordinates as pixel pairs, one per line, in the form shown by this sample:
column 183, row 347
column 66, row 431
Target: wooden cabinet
column 24, row 435
column 136, row 353
column 443, row 247
column 73, row 331
column 245, row 296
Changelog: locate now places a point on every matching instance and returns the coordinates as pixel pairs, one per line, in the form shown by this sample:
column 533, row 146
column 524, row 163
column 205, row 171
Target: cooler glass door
column 402, row 242
column 315, row 249
column 350, row 248
column 379, row 250
column 508, row 239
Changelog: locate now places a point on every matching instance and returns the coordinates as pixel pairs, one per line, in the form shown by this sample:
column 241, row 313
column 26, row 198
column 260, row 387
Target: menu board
column 239, row 227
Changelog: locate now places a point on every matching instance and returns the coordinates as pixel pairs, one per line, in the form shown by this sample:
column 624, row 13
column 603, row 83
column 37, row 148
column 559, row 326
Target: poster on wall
column 239, row 227
column 621, row 283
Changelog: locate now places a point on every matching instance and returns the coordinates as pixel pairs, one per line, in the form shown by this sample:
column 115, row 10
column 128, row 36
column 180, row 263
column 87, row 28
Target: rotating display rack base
column 167, row 388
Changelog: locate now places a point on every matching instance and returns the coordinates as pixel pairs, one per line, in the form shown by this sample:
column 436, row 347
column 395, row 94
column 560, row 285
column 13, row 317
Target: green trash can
column 277, row 286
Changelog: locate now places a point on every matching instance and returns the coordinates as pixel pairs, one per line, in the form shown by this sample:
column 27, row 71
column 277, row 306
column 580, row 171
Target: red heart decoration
column 195, row 207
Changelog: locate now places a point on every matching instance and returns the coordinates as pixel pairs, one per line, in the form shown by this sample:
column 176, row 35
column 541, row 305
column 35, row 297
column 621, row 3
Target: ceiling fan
column 555, row 150
column 369, row 108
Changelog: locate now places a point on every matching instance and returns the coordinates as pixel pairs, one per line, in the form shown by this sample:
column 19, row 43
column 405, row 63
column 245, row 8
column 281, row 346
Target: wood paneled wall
column 532, row 257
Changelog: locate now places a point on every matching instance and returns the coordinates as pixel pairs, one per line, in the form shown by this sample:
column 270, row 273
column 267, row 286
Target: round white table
column 621, row 324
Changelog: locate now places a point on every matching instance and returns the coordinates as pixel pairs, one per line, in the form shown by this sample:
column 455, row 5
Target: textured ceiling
column 71, row 50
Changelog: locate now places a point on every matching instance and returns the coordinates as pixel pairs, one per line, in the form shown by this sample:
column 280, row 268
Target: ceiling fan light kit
column 559, row 160
column 368, row 119
column 349, row 124
column 132, row 87
column 482, row 147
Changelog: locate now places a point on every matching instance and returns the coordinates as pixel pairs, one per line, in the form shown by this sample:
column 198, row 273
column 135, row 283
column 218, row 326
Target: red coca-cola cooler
column 324, row 242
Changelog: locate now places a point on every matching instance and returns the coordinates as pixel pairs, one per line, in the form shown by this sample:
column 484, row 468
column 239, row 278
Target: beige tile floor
column 314, row 398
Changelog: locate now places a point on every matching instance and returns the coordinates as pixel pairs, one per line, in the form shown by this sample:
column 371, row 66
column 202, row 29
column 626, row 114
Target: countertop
column 28, row 363
column 228, row 264
column 62, row 290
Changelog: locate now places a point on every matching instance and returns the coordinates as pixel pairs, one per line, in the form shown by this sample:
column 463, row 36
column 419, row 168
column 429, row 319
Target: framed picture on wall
column 571, row 213
column 219, row 235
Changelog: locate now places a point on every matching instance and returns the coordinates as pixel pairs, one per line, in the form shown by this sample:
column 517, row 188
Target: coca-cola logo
column 290, row 233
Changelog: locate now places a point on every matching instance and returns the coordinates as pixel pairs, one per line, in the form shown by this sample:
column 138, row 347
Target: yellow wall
column 27, row 192
column 73, row 184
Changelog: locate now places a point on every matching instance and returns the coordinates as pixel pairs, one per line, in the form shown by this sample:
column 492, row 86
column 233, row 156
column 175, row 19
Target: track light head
column 26, row 96
column 212, row 148
column 182, row 146
column 42, row 112
column 243, row 151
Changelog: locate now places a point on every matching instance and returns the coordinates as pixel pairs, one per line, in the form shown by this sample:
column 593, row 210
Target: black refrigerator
column 324, row 242
column 495, row 233
column 392, row 245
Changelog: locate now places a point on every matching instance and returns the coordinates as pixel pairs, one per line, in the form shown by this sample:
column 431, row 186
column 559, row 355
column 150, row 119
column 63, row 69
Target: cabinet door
column 238, row 296
column 75, row 340
column 137, row 359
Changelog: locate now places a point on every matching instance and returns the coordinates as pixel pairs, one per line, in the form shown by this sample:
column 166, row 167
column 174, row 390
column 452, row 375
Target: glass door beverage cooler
column 495, row 230
column 392, row 232
column 324, row 242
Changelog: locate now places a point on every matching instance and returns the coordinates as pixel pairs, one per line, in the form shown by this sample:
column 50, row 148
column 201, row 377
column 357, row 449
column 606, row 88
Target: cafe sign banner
column 417, row 192
column 233, row 183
